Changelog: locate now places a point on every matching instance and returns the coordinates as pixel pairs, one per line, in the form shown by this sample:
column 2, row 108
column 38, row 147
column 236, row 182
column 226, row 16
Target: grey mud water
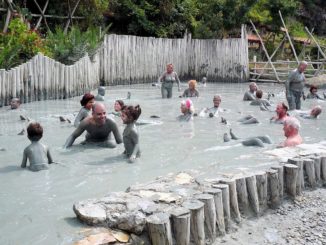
column 36, row 208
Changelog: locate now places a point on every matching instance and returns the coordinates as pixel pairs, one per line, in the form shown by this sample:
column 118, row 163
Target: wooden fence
column 130, row 59
column 43, row 78
column 124, row 60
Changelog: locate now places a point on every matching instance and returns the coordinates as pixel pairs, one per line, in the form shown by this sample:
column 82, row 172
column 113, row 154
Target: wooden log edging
column 43, row 78
column 203, row 214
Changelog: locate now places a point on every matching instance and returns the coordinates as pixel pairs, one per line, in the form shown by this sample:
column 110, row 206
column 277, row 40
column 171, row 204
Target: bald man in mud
column 98, row 128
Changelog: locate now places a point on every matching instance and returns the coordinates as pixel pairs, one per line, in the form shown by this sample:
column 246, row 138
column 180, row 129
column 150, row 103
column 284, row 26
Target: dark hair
column 259, row 94
column 121, row 103
column 132, row 112
column 284, row 106
column 34, row 131
column 312, row 87
column 87, row 97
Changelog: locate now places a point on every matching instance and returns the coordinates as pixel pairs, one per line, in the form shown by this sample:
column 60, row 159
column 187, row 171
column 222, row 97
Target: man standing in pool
column 98, row 128
column 294, row 86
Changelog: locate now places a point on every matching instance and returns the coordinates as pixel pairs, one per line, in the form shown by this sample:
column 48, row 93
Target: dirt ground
column 302, row 221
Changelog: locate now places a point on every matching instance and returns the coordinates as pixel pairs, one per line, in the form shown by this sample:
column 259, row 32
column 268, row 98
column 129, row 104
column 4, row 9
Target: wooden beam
column 39, row 8
column 72, row 13
column 41, row 17
column 319, row 48
column 273, row 55
column 266, row 53
column 289, row 38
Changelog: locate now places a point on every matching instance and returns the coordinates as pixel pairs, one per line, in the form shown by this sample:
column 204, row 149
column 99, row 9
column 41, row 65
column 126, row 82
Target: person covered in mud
column 311, row 114
column 291, row 128
column 14, row 103
column 281, row 113
column 212, row 111
column 191, row 91
column 251, row 93
column 167, row 79
column 259, row 101
column 187, row 110
column 313, row 93
column 294, row 86
column 86, row 102
column 249, row 119
column 98, row 127
column 118, row 107
column 129, row 116
column 100, row 94
column 36, row 153
column 251, row 141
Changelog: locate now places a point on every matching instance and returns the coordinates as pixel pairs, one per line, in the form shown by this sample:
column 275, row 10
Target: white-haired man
column 294, row 86
column 251, row 93
column 291, row 132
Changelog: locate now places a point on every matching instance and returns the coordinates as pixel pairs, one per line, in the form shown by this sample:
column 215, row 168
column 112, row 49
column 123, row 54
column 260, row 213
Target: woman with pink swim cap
column 187, row 110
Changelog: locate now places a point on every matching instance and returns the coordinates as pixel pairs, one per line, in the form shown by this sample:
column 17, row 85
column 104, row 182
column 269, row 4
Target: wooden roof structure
column 12, row 10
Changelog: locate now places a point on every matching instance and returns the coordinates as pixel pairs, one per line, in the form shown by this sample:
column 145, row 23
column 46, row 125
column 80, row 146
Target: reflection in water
column 36, row 208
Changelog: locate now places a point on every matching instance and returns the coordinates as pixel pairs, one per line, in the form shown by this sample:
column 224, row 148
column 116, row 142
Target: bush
column 69, row 48
column 19, row 44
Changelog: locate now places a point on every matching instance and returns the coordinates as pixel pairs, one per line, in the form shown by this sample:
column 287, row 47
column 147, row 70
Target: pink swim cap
column 188, row 103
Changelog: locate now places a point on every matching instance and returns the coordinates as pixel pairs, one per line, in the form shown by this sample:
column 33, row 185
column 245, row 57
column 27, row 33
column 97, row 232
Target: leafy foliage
column 19, row 44
column 69, row 48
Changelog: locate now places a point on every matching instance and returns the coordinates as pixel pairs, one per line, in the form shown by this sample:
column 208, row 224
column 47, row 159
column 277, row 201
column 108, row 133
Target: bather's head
column 192, row 84
column 14, row 103
column 291, row 127
column 302, row 66
column 313, row 89
column 101, row 91
column 315, row 111
column 130, row 114
column 187, row 106
column 169, row 68
column 99, row 113
column 252, row 87
column 118, row 105
column 87, row 101
column 259, row 94
column 281, row 110
column 34, row 131
column 217, row 100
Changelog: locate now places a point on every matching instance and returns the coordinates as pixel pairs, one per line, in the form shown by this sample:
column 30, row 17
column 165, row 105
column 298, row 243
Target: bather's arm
column 115, row 130
column 50, row 159
column 178, row 81
column 78, row 131
column 24, row 161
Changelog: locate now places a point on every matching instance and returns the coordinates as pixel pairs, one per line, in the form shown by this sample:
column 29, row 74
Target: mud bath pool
column 36, row 208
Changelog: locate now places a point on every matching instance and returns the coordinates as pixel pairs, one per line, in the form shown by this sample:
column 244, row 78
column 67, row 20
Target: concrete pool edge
column 179, row 207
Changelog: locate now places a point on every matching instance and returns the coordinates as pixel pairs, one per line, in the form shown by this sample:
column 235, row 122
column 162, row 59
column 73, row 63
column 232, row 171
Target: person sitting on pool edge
column 187, row 111
column 213, row 111
column 251, row 93
column 191, row 91
column 291, row 128
column 281, row 113
column 129, row 116
column 86, row 102
column 100, row 94
column 39, row 155
column 98, row 127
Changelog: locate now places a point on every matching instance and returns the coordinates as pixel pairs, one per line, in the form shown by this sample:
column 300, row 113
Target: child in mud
column 129, row 116
column 86, row 102
column 118, row 107
column 38, row 154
